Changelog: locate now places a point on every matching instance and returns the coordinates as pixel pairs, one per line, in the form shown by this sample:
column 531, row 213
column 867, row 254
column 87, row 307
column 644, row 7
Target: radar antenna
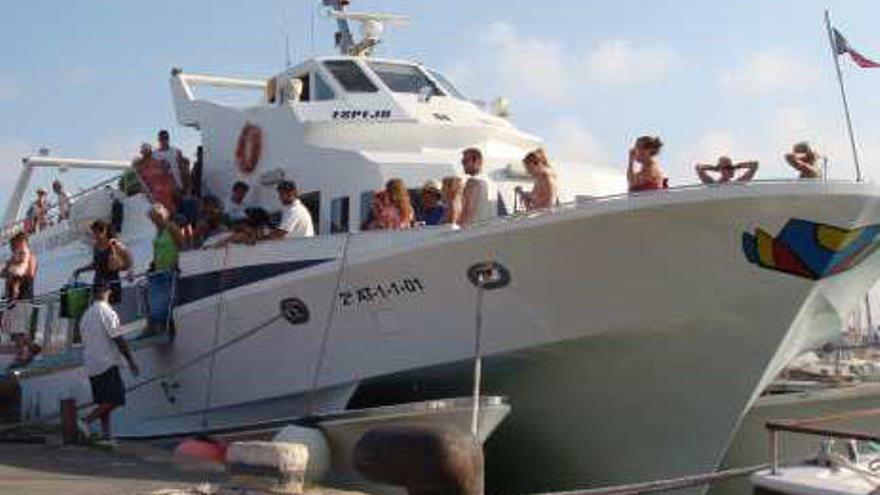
column 372, row 26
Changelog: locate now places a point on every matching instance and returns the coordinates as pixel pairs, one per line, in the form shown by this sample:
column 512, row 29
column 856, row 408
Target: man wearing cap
column 432, row 210
column 296, row 221
column 174, row 160
column 103, row 342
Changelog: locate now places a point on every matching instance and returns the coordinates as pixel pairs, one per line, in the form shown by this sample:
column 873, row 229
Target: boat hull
column 632, row 337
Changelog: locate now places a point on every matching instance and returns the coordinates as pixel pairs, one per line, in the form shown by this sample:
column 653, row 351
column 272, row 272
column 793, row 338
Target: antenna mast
column 344, row 39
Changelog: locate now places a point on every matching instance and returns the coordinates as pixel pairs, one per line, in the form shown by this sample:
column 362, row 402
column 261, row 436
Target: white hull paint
column 631, row 340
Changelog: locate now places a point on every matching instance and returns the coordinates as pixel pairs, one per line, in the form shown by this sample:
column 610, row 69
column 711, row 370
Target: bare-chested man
column 726, row 170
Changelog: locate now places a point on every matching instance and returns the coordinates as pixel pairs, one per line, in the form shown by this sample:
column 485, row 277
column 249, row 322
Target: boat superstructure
column 630, row 333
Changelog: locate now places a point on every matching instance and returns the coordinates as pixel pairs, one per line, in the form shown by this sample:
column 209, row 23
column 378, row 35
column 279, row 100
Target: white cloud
column 618, row 62
column 517, row 65
column 567, row 139
column 522, row 64
column 769, row 71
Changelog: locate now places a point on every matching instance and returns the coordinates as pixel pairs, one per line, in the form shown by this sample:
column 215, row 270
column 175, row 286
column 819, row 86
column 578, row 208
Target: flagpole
column 849, row 127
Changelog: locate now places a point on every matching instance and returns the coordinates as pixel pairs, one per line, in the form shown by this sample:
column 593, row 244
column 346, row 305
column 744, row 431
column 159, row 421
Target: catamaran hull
column 633, row 334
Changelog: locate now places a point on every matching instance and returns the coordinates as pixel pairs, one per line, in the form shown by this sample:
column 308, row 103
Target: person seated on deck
column 432, row 210
column 63, row 200
column 212, row 223
column 109, row 257
column 236, row 208
column 399, row 197
column 20, row 269
column 451, row 191
column 805, row 160
column 650, row 174
column 544, row 189
column 296, row 221
column 157, row 178
column 383, row 215
column 726, row 170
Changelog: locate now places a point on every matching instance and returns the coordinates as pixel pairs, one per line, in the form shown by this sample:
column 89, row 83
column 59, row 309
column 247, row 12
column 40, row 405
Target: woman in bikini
column 399, row 197
column 544, row 189
column 649, row 175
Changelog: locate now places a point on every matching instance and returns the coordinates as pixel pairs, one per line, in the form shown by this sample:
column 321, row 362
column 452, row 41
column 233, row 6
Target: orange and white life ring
column 250, row 147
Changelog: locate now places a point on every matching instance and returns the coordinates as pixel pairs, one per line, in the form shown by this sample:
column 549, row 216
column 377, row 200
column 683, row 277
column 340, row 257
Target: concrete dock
column 52, row 468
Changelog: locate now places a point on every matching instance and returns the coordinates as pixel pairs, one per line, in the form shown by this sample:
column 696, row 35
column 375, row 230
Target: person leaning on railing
column 726, row 170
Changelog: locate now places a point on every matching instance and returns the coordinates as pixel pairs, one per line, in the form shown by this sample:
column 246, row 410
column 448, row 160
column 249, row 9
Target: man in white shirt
column 296, row 221
column 479, row 198
column 102, row 345
column 174, row 160
column 236, row 208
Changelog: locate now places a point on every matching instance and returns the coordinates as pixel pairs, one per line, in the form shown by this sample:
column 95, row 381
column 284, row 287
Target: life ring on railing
column 250, row 147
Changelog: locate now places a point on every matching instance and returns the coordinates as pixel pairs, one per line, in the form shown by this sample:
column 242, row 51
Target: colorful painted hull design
column 810, row 250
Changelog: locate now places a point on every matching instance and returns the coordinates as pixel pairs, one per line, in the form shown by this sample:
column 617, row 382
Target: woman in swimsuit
column 805, row 160
column 399, row 197
column 650, row 174
column 544, row 189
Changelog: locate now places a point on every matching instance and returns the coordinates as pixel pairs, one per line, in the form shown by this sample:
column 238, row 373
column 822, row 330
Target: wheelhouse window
column 447, row 85
column 404, row 78
column 306, row 94
column 339, row 215
column 312, row 202
column 350, row 76
column 323, row 91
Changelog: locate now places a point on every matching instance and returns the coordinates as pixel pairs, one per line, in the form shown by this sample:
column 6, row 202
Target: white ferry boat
column 630, row 332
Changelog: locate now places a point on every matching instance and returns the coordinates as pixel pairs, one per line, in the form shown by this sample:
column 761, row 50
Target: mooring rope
column 328, row 323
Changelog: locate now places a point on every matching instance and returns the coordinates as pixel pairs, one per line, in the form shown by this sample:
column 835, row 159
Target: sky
column 89, row 78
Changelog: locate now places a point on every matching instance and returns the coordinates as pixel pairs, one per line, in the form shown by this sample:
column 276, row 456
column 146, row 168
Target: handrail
column 12, row 229
column 809, row 426
column 588, row 199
